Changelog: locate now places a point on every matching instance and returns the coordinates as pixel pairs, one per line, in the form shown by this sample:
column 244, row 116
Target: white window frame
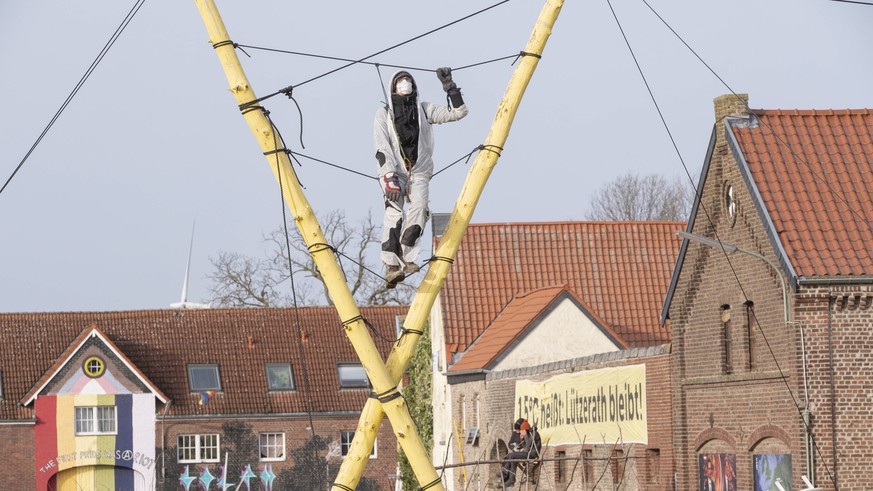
column 290, row 373
column 200, row 447
column 214, row 366
column 346, row 384
column 346, row 438
column 95, row 416
column 262, row 446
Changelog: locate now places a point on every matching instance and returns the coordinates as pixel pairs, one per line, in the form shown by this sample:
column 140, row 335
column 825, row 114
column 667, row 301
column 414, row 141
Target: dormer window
column 279, row 376
column 352, row 376
column 203, row 377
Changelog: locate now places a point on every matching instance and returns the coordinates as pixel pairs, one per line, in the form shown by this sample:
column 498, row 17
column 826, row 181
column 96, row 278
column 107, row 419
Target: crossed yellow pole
column 383, row 377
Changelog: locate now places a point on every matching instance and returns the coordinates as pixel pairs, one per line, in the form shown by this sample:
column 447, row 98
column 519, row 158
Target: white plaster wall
column 565, row 333
column 442, row 396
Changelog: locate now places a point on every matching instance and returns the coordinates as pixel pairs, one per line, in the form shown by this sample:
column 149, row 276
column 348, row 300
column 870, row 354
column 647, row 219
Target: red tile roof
column 813, row 171
column 620, row 269
column 161, row 343
column 511, row 324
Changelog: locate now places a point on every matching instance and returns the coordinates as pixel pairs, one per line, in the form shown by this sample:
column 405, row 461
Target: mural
column 770, row 469
column 109, row 458
column 206, row 479
column 717, row 472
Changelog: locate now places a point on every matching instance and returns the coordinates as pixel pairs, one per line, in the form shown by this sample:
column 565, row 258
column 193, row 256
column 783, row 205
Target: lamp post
column 731, row 249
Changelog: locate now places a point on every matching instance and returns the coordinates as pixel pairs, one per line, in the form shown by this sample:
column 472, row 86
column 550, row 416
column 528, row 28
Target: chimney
column 730, row 105
column 439, row 222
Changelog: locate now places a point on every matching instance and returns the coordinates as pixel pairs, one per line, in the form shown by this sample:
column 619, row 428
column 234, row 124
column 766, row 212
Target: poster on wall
column 770, row 469
column 717, row 472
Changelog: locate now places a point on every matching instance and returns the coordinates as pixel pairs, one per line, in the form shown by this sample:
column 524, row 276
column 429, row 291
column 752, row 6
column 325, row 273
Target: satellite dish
column 185, row 304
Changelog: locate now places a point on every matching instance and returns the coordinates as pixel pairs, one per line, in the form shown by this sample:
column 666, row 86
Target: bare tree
column 241, row 281
column 642, row 198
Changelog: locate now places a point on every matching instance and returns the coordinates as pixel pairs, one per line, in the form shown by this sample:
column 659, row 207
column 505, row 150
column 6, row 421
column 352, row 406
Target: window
column 750, row 334
column 197, row 448
column 203, row 377
column 473, row 436
column 463, row 403
column 352, row 376
column 279, row 376
column 653, row 464
column 96, row 420
column 94, row 366
column 588, row 465
column 727, row 366
column 271, row 446
column 618, row 462
column 730, row 204
column 346, row 438
column 560, row 466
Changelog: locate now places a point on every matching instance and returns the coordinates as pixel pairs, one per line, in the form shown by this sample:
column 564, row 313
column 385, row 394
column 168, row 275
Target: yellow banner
column 602, row 406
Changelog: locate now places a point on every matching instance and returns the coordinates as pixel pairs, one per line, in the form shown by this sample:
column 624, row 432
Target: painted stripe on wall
column 124, row 442
column 45, row 443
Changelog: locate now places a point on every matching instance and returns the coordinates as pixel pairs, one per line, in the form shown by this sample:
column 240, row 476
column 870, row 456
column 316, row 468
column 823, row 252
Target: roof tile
column 621, row 269
column 161, row 343
column 818, row 189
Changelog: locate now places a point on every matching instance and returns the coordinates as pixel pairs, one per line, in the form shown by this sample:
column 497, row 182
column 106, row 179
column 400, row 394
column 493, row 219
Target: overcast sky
column 100, row 215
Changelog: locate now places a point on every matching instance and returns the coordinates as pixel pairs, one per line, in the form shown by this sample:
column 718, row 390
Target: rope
column 231, row 43
column 300, row 351
column 387, row 396
column 709, row 218
column 362, row 60
column 333, row 165
column 431, row 484
column 403, row 43
column 112, row 39
column 522, row 54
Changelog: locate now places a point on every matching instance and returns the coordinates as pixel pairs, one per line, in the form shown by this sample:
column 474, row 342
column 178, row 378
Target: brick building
column 534, row 304
column 772, row 352
column 167, row 399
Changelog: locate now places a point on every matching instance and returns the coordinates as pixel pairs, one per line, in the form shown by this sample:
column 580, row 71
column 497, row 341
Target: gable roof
column 621, row 269
column 810, row 170
column 61, row 361
column 513, row 322
column 161, row 343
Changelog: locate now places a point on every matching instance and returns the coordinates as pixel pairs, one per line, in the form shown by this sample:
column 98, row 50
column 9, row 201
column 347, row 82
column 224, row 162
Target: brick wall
column 239, row 438
column 18, row 458
column 640, row 467
column 241, row 442
column 837, row 322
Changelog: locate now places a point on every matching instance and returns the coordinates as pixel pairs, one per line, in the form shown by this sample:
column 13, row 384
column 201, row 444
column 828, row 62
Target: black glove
column 392, row 187
column 445, row 76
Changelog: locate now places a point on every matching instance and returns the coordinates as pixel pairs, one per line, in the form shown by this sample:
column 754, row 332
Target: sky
column 100, row 215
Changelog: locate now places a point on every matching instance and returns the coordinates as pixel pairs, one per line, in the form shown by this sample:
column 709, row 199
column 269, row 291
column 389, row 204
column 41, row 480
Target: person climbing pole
column 403, row 138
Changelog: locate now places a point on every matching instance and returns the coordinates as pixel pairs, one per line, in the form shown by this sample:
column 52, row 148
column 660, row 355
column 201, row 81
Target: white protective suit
column 401, row 235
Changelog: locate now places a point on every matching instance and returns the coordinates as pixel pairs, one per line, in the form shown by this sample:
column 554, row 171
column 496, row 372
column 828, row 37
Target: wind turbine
column 185, row 304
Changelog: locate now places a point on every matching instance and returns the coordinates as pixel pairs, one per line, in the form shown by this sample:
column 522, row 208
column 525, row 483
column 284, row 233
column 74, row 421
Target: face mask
column 404, row 87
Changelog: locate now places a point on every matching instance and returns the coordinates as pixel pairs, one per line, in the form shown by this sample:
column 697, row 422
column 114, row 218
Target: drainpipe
column 164, row 441
column 806, row 415
column 833, row 389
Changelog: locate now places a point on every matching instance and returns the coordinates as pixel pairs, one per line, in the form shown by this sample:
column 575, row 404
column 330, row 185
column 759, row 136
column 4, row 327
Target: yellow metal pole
column 383, row 384
column 372, row 414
